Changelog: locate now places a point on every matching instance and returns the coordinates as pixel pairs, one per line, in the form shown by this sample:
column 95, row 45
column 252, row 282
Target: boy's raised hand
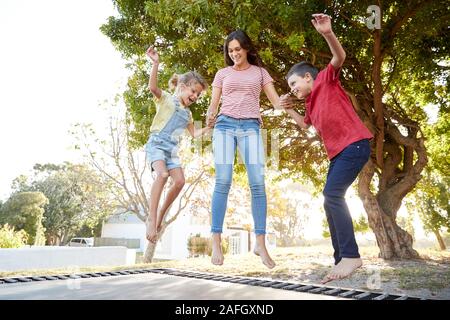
column 322, row 23
column 152, row 54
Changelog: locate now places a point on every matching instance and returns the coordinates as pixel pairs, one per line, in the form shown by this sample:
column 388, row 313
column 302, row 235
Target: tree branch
column 401, row 20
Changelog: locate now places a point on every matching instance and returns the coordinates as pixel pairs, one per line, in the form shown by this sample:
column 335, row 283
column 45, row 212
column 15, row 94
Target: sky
column 55, row 68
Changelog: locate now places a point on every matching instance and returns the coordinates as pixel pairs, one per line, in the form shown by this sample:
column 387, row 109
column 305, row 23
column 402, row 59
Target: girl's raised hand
column 152, row 54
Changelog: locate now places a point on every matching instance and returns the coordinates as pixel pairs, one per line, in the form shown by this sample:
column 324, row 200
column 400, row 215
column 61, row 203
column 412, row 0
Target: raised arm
column 153, row 81
column 322, row 23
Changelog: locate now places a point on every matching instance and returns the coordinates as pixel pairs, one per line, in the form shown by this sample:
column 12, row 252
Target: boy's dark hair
column 246, row 43
column 300, row 69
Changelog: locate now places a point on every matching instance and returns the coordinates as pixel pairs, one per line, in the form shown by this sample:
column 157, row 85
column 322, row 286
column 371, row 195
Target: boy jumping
column 345, row 137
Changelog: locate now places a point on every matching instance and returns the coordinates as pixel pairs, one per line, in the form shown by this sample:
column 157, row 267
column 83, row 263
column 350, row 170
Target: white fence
column 35, row 258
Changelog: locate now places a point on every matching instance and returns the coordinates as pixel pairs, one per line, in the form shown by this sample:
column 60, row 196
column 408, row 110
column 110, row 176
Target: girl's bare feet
column 217, row 255
column 150, row 225
column 159, row 222
column 261, row 251
column 343, row 269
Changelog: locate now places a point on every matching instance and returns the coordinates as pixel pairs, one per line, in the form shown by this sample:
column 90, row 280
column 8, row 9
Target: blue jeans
column 244, row 134
column 343, row 170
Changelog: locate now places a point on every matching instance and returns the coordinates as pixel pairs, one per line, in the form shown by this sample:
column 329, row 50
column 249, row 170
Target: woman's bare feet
column 217, row 255
column 150, row 225
column 261, row 251
column 343, row 269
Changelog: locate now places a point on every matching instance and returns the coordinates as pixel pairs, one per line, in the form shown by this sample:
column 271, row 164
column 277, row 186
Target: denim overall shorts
column 163, row 145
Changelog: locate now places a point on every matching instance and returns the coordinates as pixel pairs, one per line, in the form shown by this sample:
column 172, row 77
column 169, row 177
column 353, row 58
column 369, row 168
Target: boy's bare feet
column 150, row 230
column 261, row 251
column 217, row 255
column 343, row 269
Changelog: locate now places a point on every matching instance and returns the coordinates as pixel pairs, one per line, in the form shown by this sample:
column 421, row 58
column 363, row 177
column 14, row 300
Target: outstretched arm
column 298, row 118
column 322, row 23
column 153, row 81
column 272, row 95
column 197, row 132
column 213, row 106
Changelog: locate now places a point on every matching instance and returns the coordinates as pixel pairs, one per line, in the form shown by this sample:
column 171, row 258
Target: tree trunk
column 439, row 239
column 378, row 98
column 150, row 252
column 393, row 241
column 50, row 240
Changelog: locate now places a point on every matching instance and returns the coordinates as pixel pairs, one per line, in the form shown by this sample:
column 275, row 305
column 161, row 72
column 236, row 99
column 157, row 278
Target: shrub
column 9, row 238
column 198, row 245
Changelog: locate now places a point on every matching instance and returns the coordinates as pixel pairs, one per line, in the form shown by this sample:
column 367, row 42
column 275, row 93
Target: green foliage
column 78, row 199
column 283, row 219
column 9, row 238
column 295, row 41
column 430, row 198
column 438, row 143
column 25, row 211
column 190, row 35
column 361, row 225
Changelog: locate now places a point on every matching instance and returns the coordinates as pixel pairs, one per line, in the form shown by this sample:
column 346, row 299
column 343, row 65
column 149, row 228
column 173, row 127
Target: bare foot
column 343, row 269
column 217, row 255
column 150, row 230
column 158, row 226
column 264, row 255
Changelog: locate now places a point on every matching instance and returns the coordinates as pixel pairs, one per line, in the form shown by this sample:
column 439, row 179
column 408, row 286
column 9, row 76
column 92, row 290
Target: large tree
column 391, row 74
column 78, row 199
column 25, row 211
column 287, row 212
column 431, row 197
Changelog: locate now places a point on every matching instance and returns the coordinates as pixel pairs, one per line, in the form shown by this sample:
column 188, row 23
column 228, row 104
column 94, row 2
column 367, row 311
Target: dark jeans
column 343, row 170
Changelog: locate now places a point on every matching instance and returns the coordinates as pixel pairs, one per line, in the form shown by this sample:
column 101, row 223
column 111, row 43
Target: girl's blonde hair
column 188, row 78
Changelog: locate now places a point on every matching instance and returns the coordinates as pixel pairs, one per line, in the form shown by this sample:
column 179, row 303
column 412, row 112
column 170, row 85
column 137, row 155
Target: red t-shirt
column 331, row 113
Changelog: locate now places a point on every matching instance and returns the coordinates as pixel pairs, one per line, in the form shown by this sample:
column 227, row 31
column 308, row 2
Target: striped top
column 241, row 90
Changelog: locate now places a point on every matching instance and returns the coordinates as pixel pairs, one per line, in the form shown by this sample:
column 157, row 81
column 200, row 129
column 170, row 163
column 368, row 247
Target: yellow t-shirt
column 165, row 107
